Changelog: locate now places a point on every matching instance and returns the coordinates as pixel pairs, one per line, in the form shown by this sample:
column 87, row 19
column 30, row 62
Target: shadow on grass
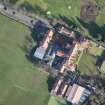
column 100, row 59
column 72, row 23
column 94, row 80
column 50, row 82
column 96, row 31
column 61, row 103
column 28, row 47
column 27, row 44
column 103, row 54
column 38, row 31
column 33, row 8
column 13, row 1
column 32, row 42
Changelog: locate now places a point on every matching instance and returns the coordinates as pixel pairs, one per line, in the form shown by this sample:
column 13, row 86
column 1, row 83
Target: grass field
column 59, row 8
column 56, row 101
column 87, row 63
column 20, row 82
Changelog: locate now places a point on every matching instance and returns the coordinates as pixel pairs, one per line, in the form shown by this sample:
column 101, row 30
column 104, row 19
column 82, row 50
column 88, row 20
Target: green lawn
column 56, row 101
column 87, row 63
column 59, row 8
column 20, row 82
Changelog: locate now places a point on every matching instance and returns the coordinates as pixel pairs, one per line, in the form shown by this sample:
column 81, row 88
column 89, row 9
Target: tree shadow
column 103, row 54
column 33, row 8
column 61, row 103
column 70, row 22
column 32, row 42
column 68, row 103
column 28, row 43
column 95, row 80
column 50, row 82
column 27, row 6
column 96, row 31
column 38, row 31
column 28, row 47
column 100, row 59
column 13, row 1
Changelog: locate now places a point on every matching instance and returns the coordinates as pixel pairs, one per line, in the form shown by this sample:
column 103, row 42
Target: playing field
column 21, row 83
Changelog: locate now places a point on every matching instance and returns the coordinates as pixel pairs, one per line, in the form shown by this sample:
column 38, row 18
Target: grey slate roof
column 39, row 53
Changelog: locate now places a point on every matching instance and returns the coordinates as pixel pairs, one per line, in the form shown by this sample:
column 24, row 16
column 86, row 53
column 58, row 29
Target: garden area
column 21, row 83
column 87, row 64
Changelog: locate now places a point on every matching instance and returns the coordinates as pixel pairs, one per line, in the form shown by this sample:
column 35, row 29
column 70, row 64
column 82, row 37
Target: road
column 21, row 17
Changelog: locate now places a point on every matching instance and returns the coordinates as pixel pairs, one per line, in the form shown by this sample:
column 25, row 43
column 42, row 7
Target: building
column 77, row 94
column 59, row 88
column 62, row 83
column 61, row 48
column 74, row 94
column 41, row 50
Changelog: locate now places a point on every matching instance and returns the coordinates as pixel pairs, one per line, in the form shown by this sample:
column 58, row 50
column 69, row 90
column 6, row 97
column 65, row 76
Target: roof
column 48, row 39
column 75, row 93
column 65, row 31
column 60, row 53
column 1, row 6
column 40, row 52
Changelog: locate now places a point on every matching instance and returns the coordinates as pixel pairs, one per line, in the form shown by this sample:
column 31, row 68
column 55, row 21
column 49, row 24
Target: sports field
column 21, row 83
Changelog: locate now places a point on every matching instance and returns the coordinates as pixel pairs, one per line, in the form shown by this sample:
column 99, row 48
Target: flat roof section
column 40, row 52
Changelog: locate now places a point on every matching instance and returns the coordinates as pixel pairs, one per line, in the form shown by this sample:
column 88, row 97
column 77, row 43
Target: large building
column 62, row 83
column 41, row 50
column 61, row 48
column 77, row 94
column 74, row 94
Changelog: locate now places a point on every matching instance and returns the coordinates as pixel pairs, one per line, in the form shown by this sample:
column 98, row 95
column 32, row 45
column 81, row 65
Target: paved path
column 21, row 17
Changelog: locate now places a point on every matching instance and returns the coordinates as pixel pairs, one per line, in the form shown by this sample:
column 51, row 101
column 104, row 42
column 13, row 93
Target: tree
column 13, row 1
column 100, row 4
